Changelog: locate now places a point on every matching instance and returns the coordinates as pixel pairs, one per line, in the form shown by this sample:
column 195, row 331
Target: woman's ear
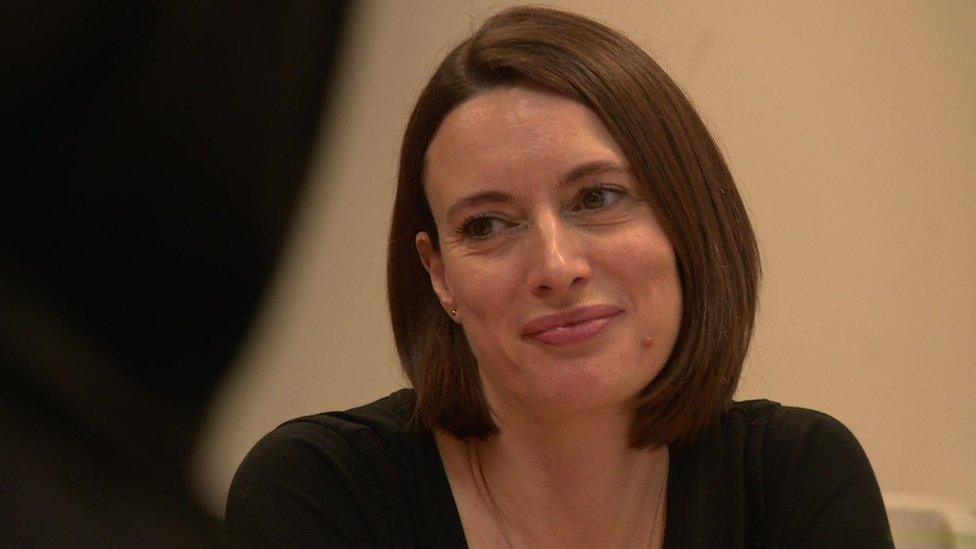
column 432, row 262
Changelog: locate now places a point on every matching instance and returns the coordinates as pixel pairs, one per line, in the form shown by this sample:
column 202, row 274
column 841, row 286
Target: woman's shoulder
column 786, row 437
column 792, row 450
column 785, row 426
column 803, row 475
column 368, row 435
column 332, row 476
column 382, row 420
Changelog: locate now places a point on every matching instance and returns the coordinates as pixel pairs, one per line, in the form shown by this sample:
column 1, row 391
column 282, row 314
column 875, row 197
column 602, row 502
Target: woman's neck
column 569, row 483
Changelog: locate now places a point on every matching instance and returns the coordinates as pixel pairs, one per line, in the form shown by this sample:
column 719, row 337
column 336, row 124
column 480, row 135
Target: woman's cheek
column 483, row 303
column 488, row 308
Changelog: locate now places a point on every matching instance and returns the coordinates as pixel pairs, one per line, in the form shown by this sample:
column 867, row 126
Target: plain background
column 850, row 129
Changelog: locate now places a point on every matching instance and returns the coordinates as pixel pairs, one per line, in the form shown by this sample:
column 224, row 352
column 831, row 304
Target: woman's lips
column 572, row 326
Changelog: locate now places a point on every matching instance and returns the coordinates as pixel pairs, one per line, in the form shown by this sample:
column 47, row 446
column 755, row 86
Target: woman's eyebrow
column 477, row 199
column 594, row 168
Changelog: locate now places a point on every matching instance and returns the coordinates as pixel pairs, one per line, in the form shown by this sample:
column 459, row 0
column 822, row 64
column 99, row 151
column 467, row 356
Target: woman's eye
column 598, row 198
column 481, row 228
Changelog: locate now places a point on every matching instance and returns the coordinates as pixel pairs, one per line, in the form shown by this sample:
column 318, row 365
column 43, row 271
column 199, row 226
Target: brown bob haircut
column 673, row 157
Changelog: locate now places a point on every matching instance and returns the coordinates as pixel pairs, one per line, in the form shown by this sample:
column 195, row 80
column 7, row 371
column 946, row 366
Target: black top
column 764, row 476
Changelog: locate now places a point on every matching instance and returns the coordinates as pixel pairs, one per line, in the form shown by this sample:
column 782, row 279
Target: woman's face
column 563, row 280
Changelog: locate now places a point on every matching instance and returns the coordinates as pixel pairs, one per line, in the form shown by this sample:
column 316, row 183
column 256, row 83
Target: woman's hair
column 673, row 156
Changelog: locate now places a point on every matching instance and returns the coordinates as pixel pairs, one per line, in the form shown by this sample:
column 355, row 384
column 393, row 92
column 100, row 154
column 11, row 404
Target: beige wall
column 851, row 129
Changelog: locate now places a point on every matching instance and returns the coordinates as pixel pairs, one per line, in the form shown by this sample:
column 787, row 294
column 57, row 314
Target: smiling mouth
column 573, row 326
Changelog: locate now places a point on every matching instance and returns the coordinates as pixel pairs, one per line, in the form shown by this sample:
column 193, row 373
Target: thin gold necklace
column 660, row 498
column 500, row 522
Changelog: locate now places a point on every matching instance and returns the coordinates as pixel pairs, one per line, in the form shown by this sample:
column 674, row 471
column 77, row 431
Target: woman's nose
column 559, row 265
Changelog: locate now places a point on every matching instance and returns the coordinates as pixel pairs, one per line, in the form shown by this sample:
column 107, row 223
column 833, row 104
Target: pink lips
column 571, row 326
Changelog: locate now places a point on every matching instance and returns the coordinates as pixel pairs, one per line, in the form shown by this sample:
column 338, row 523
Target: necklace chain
column 660, row 498
column 500, row 522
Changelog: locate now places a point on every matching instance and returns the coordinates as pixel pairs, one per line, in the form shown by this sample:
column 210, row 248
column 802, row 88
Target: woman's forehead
column 518, row 111
column 504, row 133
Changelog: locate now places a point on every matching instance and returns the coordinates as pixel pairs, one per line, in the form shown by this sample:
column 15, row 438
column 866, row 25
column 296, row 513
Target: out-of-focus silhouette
column 151, row 157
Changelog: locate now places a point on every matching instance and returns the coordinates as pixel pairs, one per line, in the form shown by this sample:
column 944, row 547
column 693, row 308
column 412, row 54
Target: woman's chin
column 568, row 395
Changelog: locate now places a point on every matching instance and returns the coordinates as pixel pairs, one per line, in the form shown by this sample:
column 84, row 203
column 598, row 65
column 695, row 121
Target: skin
column 546, row 238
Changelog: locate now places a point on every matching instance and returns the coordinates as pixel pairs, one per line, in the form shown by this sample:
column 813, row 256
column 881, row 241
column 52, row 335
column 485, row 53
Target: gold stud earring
column 453, row 311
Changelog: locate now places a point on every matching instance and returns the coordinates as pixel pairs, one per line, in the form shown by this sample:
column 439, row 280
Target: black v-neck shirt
column 765, row 475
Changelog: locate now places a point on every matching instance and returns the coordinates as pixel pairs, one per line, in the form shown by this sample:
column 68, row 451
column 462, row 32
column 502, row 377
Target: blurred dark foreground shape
column 152, row 156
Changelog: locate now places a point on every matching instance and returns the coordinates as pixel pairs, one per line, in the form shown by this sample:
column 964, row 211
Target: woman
column 572, row 281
